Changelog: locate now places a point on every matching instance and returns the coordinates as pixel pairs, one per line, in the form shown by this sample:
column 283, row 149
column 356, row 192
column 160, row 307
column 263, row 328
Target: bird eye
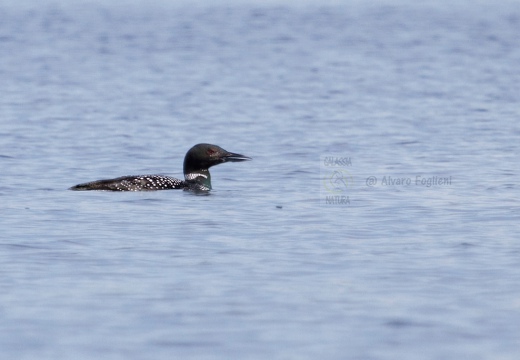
column 210, row 151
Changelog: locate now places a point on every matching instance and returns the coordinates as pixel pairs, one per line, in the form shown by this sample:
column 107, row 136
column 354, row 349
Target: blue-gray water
column 270, row 265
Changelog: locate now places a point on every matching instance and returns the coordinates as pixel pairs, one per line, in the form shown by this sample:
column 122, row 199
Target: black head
column 203, row 156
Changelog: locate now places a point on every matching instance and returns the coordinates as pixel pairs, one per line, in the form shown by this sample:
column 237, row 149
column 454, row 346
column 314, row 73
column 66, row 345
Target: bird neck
column 201, row 177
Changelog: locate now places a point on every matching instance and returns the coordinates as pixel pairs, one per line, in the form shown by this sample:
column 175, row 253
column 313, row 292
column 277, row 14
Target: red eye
column 210, row 151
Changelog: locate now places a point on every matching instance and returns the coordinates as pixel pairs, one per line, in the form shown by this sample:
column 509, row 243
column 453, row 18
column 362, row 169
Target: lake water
column 379, row 218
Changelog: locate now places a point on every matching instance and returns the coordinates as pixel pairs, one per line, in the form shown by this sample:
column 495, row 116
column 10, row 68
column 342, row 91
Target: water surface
column 263, row 267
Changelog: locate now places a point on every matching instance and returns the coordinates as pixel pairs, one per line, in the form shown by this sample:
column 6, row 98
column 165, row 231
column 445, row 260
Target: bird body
column 196, row 174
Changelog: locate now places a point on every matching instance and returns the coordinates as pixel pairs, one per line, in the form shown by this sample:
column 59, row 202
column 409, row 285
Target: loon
column 196, row 174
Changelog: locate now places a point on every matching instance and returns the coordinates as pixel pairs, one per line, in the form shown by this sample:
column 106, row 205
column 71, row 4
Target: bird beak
column 232, row 157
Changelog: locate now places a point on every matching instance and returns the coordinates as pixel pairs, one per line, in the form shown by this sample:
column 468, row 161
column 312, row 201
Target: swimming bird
column 197, row 161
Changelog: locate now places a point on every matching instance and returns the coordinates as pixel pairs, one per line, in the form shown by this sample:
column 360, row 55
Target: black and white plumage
column 196, row 174
column 133, row 183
